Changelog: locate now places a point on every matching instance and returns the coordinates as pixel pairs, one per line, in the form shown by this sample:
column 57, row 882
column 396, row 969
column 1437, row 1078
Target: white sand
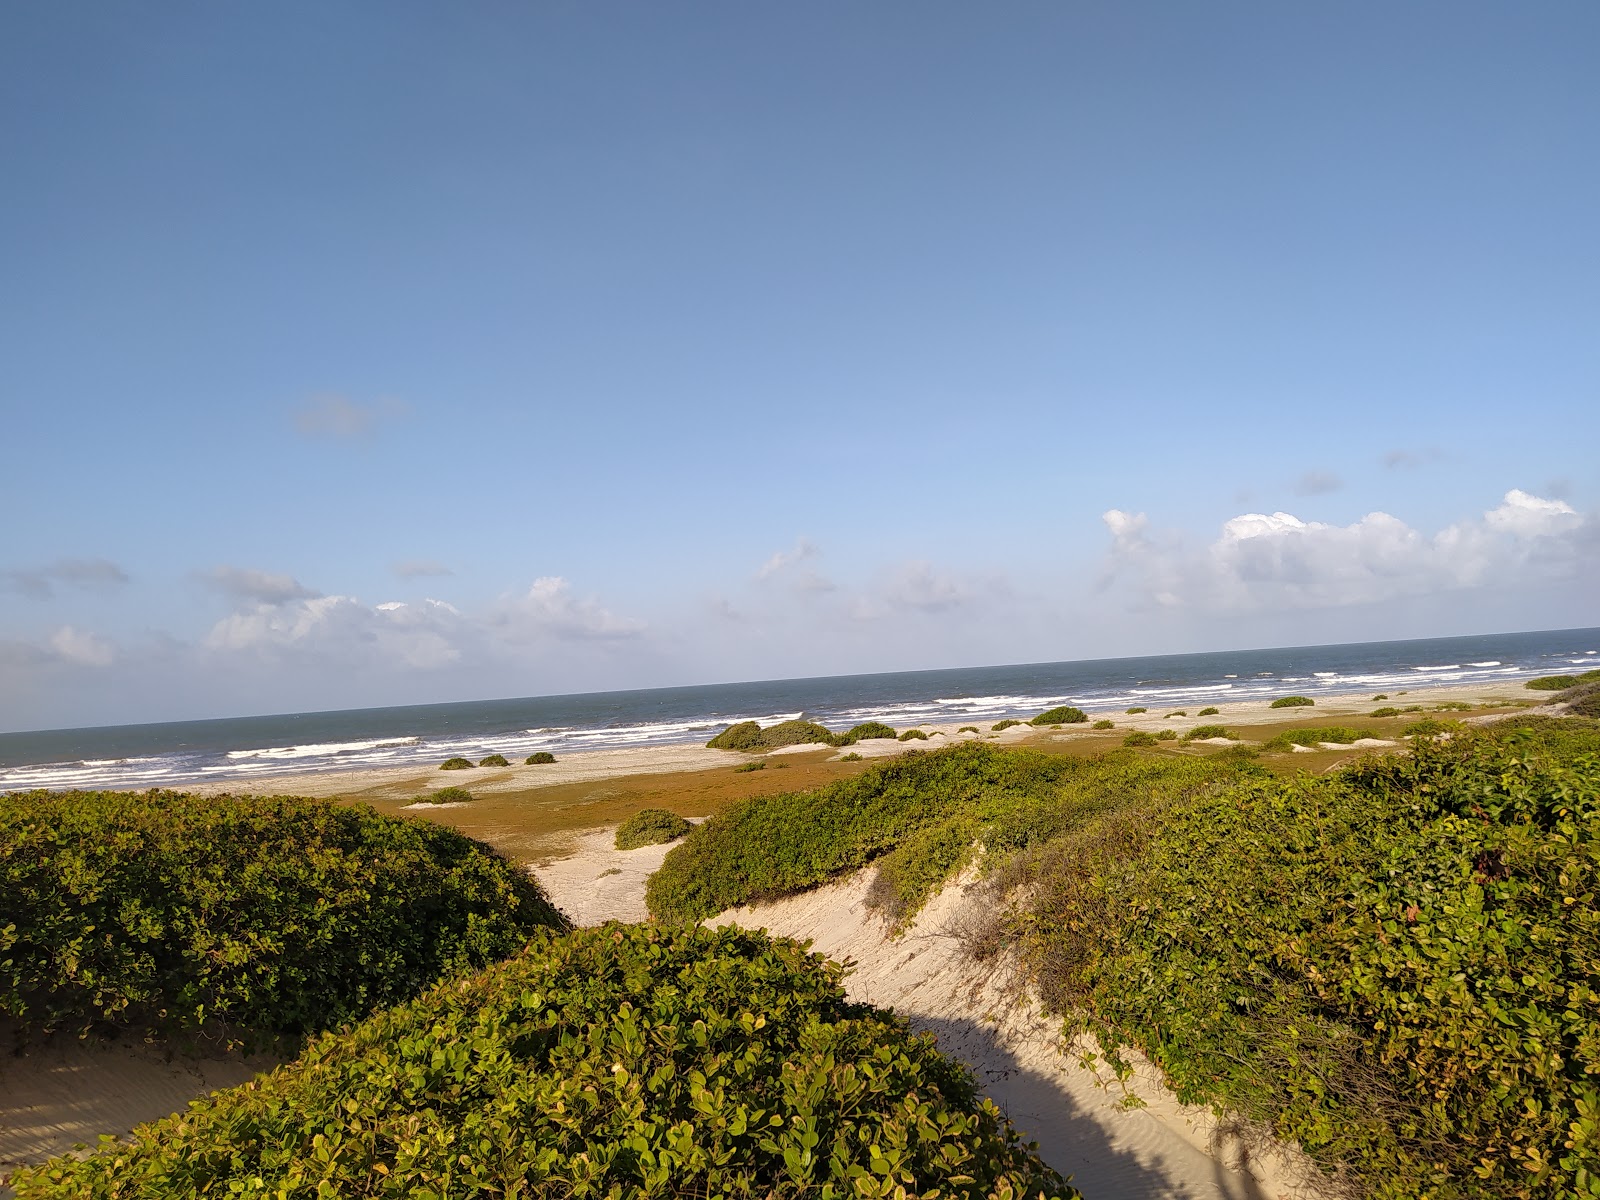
column 598, row 882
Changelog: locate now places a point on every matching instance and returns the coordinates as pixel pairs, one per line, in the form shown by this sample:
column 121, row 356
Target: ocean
column 251, row 750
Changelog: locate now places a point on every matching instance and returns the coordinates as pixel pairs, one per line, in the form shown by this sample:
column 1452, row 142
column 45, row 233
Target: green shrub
column 913, row 735
column 918, row 816
column 869, row 729
column 749, row 736
column 1341, row 957
column 1381, row 696
column 1201, row 732
column 456, row 764
column 1386, row 711
column 1292, row 702
column 264, row 915
column 1177, row 712
column 494, row 760
column 968, row 729
column 651, row 827
column 1103, row 724
column 1137, row 709
column 1339, row 735
column 999, row 726
column 1209, row 712
column 1167, row 735
column 1063, row 715
column 618, row 1061
column 538, row 757
column 1431, row 727
column 1452, row 706
column 746, row 768
column 449, row 795
column 1140, row 738
column 1583, row 701
column 851, row 757
column 1552, row 683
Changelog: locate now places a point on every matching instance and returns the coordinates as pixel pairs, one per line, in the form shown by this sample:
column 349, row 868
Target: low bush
column 1177, row 712
column 651, row 827
column 1140, row 738
column 456, row 764
column 263, row 915
column 1583, row 701
column 1063, row 715
column 1381, row 696
column 1552, row 683
column 851, row 757
column 1387, row 710
column 1000, row 726
column 919, row 816
column 1167, row 735
column 1201, row 732
column 749, row 736
column 1103, row 724
column 968, row 729
column 1391, row 965
column 1136, row 709
column 494, row 760
column 1452, row 706
column 1292, row 702
column 913, row 735
column 449, row 795
column 620, row 1061
column 538, row 758
column 869, row 729
column 1209, row 712
column 746, row 768
column 1339, row 735
column 1431, row 727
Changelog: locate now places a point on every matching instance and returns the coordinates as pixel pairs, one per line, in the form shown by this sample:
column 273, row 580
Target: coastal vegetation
column 650, row 827
column 751, row 738
column 1335, row 735
column 913, row 735
column 1002, row 726
column 968, row 729
column 1209, row 711
column 1388, row 710
column 494, row 760
column 1103, row 724
column 1292, row 702
column 1558, row 683
column 1063, row 715
column 615, row 1061
column 245, row 915
column 1391, row 964
column 1136, row 709
column 456, row 764
column 447, row 795
column 746, row 768
column 1202, row 732
column 538, row 758
column 1139, row 738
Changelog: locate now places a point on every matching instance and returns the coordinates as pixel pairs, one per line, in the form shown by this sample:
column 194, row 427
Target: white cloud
column 803, row 549
column 549, row 608
column 1275, row 561
column 39, row 582
column 331, row 415
column 261, row 587
column 82, row 648
column 342, row 630
column 1127, row 529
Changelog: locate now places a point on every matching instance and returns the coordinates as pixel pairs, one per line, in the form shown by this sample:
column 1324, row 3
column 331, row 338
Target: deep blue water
column 249, row 748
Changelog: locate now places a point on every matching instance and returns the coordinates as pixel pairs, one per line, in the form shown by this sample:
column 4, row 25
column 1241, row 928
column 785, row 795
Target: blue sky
column 395, row 353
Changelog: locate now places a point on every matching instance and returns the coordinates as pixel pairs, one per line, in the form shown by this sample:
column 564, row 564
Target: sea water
column 247, row 749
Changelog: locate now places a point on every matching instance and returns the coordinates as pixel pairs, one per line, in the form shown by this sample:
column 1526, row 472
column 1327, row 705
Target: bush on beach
column 538, row 758
column 651, row 827
column 867, row 730
column 913, row 735
column 261, row 915
column 494, row 760
column 1064, row 715
column 749, row 737
column 616, row 1061
column 456, row 764
column 1002, row 726
column 449, row 795
column 1292, row 702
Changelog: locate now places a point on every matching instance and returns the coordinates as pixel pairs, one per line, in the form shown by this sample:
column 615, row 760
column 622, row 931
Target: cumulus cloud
column 1263, row 561
column 260, row 587
column 785, row 565
column 341, row 629
column 1317, row 483
column 420, row 569
column 331, row 415
column 549, row 608
column 88, row 573
column 82, row 648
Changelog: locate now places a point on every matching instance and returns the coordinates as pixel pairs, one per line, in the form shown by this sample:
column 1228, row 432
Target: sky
column 387, row 353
